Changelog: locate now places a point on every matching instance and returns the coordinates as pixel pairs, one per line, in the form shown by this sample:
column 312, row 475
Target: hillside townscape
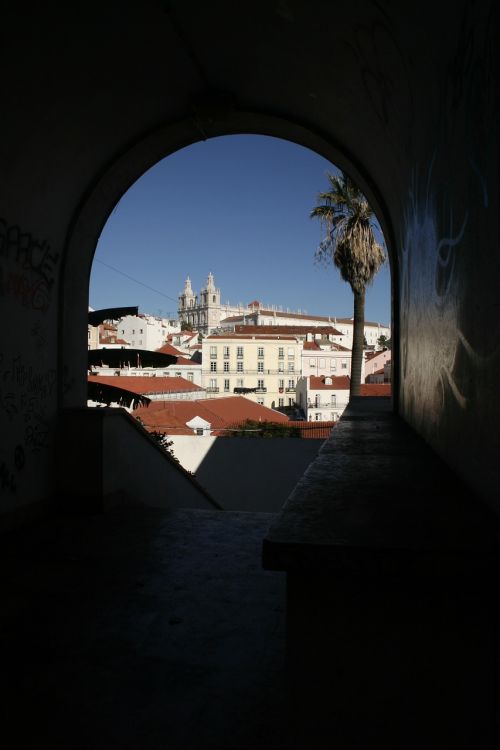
column 217, row 366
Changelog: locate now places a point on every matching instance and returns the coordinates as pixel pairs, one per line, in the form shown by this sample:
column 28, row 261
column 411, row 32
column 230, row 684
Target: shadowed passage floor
column 143, row 629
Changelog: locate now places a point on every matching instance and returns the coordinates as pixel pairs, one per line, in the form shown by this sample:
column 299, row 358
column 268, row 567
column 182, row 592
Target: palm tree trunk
column 358, row 335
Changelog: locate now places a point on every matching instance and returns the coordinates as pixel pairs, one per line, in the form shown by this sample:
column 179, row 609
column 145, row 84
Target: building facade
column 323, row 398
column 204, row 312
column 144, row 331
column 263, row 368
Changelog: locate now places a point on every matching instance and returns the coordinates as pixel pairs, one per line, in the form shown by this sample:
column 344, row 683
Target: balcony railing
column 212, row 389
column 261, row 390
column 321, row 405
column 290, row 390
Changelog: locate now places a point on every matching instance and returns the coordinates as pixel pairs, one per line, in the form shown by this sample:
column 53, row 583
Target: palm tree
column 350, row 244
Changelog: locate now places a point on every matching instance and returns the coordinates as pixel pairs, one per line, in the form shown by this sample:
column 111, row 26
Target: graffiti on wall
column 446, row 346
column 25, row 398
column 27, row 267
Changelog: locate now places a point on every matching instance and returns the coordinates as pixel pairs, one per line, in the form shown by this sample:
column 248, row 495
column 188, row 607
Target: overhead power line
column 122, row 273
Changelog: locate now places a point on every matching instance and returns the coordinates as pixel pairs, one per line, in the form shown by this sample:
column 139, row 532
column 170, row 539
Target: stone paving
column 143, row 629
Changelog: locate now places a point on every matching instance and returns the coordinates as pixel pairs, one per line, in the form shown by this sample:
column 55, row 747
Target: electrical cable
column 96, row 260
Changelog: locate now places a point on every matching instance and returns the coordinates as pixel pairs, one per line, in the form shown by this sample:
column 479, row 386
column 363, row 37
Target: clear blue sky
column 237, row 206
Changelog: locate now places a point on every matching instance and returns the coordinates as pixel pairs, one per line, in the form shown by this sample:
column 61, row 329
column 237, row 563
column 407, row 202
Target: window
column 190, row 376
column 133, row 330
column 239, row 366
column 333, row 364
column 260, row 384
column 281, row 367
column 260, row 401
column 226, row 385
column 239, row 351
column 281, row 383
column 239, row 383
column 178, row 374
column 213, row 352
column 333, row 399
column 213, row 383
column 123, row 331
column 291, row 383
column 312, row 362
column 317, row 417
column 226, row 351
column 213, row 366
column 260, row 351
column 344, row 364
column 291, row 351
column 281, row 402
column 291, row 367
column 281, row 352
column 226, row 366
column 322, row 362
column 260, row 366
column 141, row 330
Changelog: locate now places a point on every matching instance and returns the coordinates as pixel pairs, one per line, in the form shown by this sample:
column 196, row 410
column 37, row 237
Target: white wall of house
column 268, row 469
column 192, row 373
column 326, row 361
column 372, row 331
column 321, row 405
column 376, row 363
column 143, row 331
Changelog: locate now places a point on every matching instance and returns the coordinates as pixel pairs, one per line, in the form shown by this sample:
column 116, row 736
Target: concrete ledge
column 376, row 492
column 392, row 581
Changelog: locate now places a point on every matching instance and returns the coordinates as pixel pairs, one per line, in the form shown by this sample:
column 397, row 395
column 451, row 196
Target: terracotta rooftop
column 375, row 389
column 310, row 345
column 288, row 329
column 144, row 385
column 169, row 349
column 314, row 345
column 257, row 336
column 186, row 361
column 339, row 383
column 171, row 416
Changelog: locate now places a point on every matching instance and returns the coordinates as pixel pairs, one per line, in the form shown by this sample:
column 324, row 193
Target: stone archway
column 129, row 166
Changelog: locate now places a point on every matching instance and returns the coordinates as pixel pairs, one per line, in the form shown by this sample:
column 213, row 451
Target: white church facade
column 205, row 314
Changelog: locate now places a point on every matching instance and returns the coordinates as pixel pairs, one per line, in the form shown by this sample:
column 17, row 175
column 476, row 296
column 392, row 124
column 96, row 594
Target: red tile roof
column 185, row 361
column 260, row 334
column 171, row 416
column 169, row 349
column 313, row 430
column 310, row 345
column 144, row 385
column 375, row 389
column 288, row 329
column 339, row 383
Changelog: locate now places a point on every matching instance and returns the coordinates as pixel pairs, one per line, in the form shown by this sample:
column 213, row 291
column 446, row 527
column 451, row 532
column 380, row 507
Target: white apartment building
column 324, row 398
column 373, row 331
column 374, row 363
column 263, row 368
column 322, row 357
column 190, row 371
column 275, row 317
column 144, row 331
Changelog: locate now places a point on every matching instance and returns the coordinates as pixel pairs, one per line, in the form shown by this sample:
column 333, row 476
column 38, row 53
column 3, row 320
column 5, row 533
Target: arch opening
column 124, row 172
